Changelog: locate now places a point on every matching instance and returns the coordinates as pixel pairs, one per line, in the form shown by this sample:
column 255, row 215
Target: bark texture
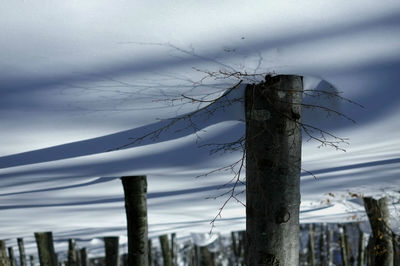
column 3, row 253
column 135, row 189
column 47, row 256
column 311, row 245
column 379, row 218
column 11, row 256
column 165, row 250
column 111, row 245
column 21, row 248
column 72, row 261
column 84, row 257
column 273, row 163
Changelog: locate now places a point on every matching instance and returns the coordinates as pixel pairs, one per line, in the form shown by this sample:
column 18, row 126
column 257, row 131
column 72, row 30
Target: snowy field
column 80, row 79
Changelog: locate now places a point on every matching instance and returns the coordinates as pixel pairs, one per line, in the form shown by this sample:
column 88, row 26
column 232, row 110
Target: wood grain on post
column 330, row 246
column 111, row 245
column 343, row 246
column 205, row 257
column 72, row 261
column 45, row 245
column 166, row 252
column 311, row 245
column 21, row 248
column 32, row 260
column 84, row 257
column 379, row 219
column 3, row 253
column 273, row 163
column 361, row 248
column 150, row 253
column 174, row 250
column 135, row 190
column 11, row 256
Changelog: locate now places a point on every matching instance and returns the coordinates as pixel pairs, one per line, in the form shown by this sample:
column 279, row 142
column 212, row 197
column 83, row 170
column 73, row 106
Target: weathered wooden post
column 135, row 189
column 165, row 250
column 323, row 246
column 311, row 245
column 379, row 218
column 72, row 261
column 32, row 260
column 273, row 164
column 21, row 248
column 11, row 257
column 3, row 253
column 174, row 253
column 235, row 246
column 242, row 245
column 361, row 248
column 330, row 246
column 343, row 247
column 205, row 257
column 150, row 252
column 78, row 257
column 47, row 256
column 111, row 245
column 84, row 257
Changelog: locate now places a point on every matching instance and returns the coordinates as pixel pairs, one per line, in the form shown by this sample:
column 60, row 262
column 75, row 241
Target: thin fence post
column 11, row 256
column 45, row 245
column 111, row 245
column 72, row 261
column 21, row 248
column 3, row 253
column 84, row 257
column 379, row 218
column 135, row 190
column 311, row 245
column 165, row 250
column 343, row 246
column 361, row 248
column 150, row 254
column 174, row 254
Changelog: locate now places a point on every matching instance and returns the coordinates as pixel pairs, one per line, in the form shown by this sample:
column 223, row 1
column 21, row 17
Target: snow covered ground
column 80, row 79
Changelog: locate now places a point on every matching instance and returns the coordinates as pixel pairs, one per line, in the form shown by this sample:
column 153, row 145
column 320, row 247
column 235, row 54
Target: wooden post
column 135, row 189
column 323, row 246
column 273, row 164
column 343, row 247
column 350, row 258
column 165, row 250
column 174, row 250
column 396, row 251
column 21, row 248
column 84, row 257
column 242, row 250
column 47, row 256
column 361, row 248
column 205, row 257
column 11, row 257
column 330, row 246
column 311, row 246
column 3, row 253
column 32, row 260
column 150, row 252
column 379, row 218
column 72, row 261
column 234, row 246
column 111, row 245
